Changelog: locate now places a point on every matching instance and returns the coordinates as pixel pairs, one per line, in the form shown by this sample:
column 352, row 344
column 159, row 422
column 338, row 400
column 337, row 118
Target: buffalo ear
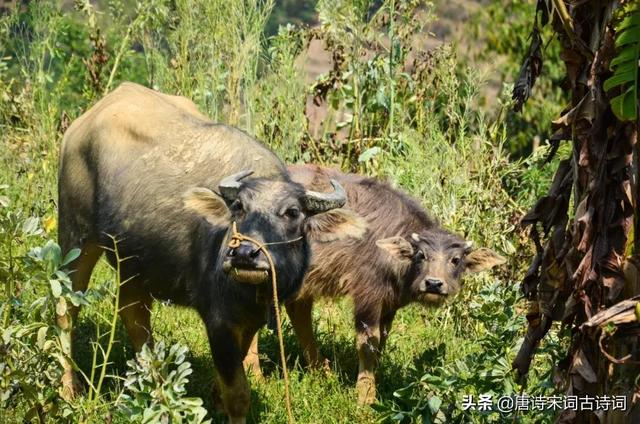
column 335, row 224
column 483, row 259
column 398, row 247
column 208, row 205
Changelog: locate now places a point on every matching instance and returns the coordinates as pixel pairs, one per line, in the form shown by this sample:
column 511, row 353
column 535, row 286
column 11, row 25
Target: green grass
column 317, row 396
column 436, row 145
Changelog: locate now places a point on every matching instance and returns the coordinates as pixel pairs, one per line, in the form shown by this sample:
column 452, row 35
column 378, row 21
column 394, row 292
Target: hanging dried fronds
column 581, row 270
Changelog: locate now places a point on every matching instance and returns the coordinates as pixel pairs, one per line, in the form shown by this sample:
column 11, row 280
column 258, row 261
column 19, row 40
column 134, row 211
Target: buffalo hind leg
column 300, row 313
column 80, row 273
column 368, row 346
column 251, row 362
column 228, row 347
column 135, row 312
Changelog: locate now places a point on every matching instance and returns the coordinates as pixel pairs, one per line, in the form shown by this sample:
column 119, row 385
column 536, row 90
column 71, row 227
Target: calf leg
column 300, row 313
column 80, row 273
column 135, row 312
column 385, row 328
column 228, row 348
column 368, row 345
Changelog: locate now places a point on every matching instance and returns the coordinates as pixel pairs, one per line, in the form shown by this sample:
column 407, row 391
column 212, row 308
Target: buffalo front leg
column 80, row 273
column 135, row 312
column 368, row 345
column 300, row 313
column 228, row 347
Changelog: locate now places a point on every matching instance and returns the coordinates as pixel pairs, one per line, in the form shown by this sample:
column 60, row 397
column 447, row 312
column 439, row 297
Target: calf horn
column 230, row 186
column 322, row 202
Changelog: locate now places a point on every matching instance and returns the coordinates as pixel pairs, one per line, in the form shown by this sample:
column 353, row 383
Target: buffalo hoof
column 366, row 388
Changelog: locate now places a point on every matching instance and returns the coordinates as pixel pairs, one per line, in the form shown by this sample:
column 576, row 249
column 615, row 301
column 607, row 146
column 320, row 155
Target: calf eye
column 292, row 213
column 455, row 261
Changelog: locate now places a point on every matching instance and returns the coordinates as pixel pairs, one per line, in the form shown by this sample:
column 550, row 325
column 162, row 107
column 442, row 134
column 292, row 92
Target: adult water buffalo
column 404, row 257
column 143, row 166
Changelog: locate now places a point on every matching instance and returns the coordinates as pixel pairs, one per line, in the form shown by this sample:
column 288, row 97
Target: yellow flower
column 49, row 224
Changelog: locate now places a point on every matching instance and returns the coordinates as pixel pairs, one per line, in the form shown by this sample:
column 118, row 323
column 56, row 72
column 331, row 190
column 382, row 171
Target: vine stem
column 392, row 8
column 116, row 63
column 9, row 283
column 114, row 320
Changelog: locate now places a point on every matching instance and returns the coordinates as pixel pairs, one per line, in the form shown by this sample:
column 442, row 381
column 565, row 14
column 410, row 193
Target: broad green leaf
column 434, row 404
column 629, row 21
column 625, row 55
column 71, row 256
column 42, row 336
column 630, row 35
column 31, row 226
column 625, row 66
column 51, row 252
column 620, row 77
column 369, row 154
column 56, row 288
column 61, row 306
column 625, row 106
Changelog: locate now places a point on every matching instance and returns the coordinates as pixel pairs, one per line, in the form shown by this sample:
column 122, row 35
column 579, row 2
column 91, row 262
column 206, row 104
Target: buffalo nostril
column 255, row 253
column 243, row 251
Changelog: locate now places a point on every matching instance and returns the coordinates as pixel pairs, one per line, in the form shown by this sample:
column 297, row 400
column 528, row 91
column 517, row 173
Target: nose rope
column 237, row 238
column 234, row 243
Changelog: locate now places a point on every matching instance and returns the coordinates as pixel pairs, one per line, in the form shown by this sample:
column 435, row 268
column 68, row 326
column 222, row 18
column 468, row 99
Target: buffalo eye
column 455, row 260
column 420, row 255
column 292, row 213
column 236, row 206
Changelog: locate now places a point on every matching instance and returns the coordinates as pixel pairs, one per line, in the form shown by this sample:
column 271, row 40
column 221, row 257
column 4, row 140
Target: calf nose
column 432, row 282
column 433, row 285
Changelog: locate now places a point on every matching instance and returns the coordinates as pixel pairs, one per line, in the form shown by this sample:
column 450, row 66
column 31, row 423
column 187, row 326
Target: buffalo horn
column 321, row 202
column 230, row 186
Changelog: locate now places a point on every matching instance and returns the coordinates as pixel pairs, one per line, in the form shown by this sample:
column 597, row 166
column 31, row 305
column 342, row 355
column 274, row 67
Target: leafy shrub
column 32, row 349
column 625, row 64
column 437, row 396
column 155, row 387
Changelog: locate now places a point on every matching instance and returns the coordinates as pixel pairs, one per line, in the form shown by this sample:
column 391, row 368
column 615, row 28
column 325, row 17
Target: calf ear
column 208, row 205
column 483, row 259
column 335, row 224
column 398, row 247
